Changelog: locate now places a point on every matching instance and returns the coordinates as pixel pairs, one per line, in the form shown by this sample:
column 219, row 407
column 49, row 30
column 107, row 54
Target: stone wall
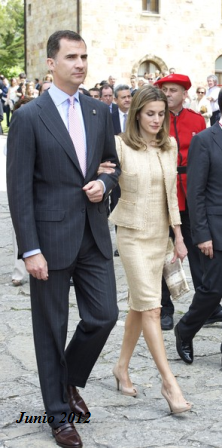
column 46, row 17
column 187, row 34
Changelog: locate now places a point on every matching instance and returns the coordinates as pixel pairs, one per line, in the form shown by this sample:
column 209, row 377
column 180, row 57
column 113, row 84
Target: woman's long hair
column 132, row 136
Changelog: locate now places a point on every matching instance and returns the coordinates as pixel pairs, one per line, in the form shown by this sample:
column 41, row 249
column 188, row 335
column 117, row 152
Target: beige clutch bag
column 174, row 274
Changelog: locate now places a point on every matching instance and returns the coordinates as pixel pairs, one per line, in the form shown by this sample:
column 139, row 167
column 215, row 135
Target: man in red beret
column 184, row 124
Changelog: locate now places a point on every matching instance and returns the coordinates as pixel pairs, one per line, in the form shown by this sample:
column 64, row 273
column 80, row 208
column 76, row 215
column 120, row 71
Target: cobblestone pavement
column 117, row 421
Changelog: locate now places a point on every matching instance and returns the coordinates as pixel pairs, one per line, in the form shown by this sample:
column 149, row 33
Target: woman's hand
column 106, row 167
column 180, row 250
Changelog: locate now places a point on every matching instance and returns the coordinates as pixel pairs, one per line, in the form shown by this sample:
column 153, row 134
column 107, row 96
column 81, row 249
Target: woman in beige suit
column 148, row 205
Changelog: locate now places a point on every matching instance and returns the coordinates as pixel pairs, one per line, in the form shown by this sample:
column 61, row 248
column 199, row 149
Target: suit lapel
column 50, row 117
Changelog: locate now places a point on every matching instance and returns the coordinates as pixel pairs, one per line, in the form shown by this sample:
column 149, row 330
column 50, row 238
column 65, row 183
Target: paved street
column 116, row 421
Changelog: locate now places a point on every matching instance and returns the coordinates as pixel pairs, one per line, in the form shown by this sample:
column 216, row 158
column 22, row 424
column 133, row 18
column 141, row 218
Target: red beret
column 182, row 80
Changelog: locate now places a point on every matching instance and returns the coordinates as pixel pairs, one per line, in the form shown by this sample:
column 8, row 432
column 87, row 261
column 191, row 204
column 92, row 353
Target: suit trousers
column 94, row 283
column 194, row 262
column 206, row 298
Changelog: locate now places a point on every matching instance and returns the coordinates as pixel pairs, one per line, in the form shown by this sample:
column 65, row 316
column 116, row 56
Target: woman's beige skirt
column 142, row 259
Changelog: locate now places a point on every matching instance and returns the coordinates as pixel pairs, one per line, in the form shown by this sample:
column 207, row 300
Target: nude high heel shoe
column 130, row 391
column 174, row 409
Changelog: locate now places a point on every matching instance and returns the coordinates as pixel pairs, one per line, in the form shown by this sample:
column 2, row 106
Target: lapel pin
column 94, row 112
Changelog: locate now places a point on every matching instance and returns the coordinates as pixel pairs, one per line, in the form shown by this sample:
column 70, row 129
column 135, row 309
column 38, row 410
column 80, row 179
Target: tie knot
column 71, row 101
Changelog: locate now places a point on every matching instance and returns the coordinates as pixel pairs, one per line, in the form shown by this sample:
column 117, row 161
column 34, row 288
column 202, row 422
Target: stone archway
column 149, row 58
column 218, row 69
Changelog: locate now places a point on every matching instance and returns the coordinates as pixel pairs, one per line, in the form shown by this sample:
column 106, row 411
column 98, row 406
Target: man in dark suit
column 204, row 187
column 123, row 100
column 106, row 96
column 1, row 117
column 61, row 225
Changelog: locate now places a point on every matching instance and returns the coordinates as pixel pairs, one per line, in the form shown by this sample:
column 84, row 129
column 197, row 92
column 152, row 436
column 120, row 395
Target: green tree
column 11, row 37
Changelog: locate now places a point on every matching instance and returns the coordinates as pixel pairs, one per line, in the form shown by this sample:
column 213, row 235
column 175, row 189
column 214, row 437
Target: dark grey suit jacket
column 44, row 179
column 204, row 186
column 116, row 122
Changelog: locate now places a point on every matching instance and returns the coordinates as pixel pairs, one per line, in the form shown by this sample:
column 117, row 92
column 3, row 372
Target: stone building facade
column 131, row 37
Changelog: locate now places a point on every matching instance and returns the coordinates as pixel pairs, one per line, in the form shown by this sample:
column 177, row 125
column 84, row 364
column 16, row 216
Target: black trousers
column 7, row 111
column 206, row 298
column 194, row 263
column 95, row 288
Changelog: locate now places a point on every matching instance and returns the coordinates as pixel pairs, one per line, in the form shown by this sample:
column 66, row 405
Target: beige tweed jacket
column 132, row 210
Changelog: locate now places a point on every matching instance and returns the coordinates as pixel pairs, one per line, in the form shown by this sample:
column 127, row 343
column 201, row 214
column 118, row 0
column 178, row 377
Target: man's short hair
column 22, row 75
column 95, row 89
column 214, row 77
column 53, row 44
column 119, row 88
column 220, row 100
column 104, row 87
column 102, row 83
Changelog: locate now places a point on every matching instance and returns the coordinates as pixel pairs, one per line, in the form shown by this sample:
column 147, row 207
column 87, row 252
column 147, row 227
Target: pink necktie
column 76, row 134
column 124, row 122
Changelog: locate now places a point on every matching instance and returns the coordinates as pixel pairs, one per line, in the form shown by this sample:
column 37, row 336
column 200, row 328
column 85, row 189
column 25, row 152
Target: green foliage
column 11, row 37
column 12, row 72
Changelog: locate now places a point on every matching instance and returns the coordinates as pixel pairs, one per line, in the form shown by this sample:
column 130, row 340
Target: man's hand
column 94, row 190
column 36, row 265
column 207, row 248
column 106, row 167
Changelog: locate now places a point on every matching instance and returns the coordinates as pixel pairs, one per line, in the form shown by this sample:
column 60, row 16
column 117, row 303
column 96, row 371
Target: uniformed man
column 184, row 124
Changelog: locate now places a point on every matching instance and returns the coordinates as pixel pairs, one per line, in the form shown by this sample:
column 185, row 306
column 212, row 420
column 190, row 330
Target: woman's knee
column 152, row 314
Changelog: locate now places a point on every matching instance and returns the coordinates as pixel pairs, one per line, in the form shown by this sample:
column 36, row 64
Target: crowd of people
column 64, row 160
column 202, row 100
column 15, row 89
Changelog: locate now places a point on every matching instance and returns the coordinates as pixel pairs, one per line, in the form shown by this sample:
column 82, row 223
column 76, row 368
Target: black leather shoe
column 215, row 317
column 184, row 349
column 116, row 253
column 167, row 322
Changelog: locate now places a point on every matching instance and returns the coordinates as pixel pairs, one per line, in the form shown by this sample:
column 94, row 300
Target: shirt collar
column 59, row 96
column 122, row 113
column 178, row 113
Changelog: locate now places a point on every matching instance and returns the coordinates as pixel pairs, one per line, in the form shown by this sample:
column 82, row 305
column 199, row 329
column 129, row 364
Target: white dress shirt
column 213, row 92
column 122, row 118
